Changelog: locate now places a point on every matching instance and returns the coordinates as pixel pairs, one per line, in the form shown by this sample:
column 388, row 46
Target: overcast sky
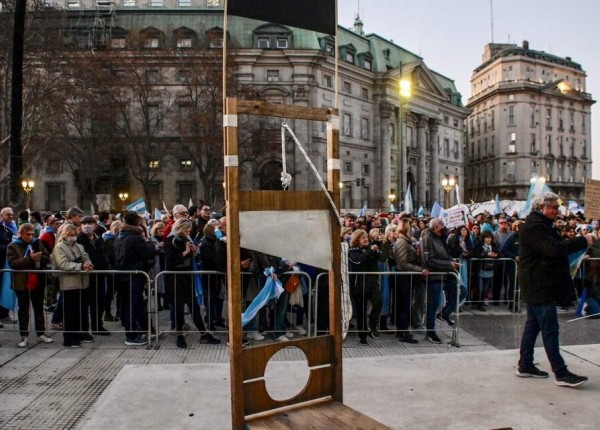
column 450, row 35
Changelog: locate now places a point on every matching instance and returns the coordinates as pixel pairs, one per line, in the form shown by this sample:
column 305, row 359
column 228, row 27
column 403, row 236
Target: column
column 419, row 199
column 434, row 178
column 385, row 153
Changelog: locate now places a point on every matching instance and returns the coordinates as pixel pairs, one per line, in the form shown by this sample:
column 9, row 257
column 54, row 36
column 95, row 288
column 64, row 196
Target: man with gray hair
column 436, row 257
column 544, row 273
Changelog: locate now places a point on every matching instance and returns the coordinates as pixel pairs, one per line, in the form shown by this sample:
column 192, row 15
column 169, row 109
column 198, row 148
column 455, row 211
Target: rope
column 286, row 178
column 346, row 302
column 285, row 127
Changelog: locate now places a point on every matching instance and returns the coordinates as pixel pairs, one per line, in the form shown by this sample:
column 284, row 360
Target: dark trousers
column 96, row 299
column 34, row 297
column 434, row 297
column 542, row 318
column 368, row 293
column 181, row 294
column 214, row 305
column 75, row 319
column 133, row 311
column 499, row 281
column 402, row 286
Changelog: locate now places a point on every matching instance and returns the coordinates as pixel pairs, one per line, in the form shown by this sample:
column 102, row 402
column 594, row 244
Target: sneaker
column 570, row 380
column 374, row 333
column 282, row 338
column 289, row 335
column 181, row 343
column 445, row 319
column 45, row 339
column 301, row 330
column 531, row 372
column 75, row 344
column 433, row 338
column 8, row 320
column 138, row 341
column 23, row 342
column 254, row 335
column 364, row 341
column 245, row 342
column 209, row 339
column 86, row 338
column 57, row 326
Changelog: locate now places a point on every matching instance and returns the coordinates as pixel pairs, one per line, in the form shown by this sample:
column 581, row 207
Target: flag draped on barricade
column 575, row 259
column 271, row 290
column 7, row 295
column 198, row 284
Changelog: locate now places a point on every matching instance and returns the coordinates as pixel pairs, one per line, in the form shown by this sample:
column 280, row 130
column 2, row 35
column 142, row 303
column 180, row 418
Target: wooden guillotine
column 320, row 401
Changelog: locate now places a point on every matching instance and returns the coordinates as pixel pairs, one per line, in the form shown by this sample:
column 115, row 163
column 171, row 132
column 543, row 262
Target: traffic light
column 358, row 182
column 362, row 182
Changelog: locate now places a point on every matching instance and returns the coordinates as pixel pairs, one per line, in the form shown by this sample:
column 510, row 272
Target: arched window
column 272, row 36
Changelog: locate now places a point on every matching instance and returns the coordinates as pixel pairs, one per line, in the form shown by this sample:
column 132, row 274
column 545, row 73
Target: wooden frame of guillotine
column 320, row 401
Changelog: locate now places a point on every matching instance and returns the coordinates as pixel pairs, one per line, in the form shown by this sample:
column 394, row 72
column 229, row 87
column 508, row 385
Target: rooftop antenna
column 492, row 19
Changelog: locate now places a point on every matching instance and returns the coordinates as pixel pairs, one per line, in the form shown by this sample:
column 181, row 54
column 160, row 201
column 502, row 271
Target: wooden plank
column 255, row 107
column 318, row 351
column 230, row 148
column 260, row 200
column 321, row 416
column 257, row 397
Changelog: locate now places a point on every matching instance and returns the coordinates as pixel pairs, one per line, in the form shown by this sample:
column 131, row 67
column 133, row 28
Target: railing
column 504, row 278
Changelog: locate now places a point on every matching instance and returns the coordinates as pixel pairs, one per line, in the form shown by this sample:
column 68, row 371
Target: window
column 584, row 151
column 156, row 3
column 572, row 122
column 456, row 150
column 548, row 117
column 572, row 148
column 533, row 145
column 53, row 165
column 184, row 111
column 117, row 43
column 493, row 119
column 185, row 3
column 154, row 118
column 185, row 191
column 366, row 169
column 511, row 171
column 186, row 164
column 347, row 125
column 446, row 119
column 348, row 167
column 347, row 87
column 364, row 129
column 184, row 75
column 272, row 75
column 73, row 3
column 282, row 43
column 215, row 43
column 350, row 57
column 532, row 116
column 264, row 43
column 55, row 196
column 549, row 144
column 446, row 147
column 129, row 3
column 184, row 42
column 153, row 164
column 212, row 3
column 455, row 122
column 560, row 146
column 512, row 142
column 560, row 120
column 365, row 93
column 583, row 122
column 368, row 65
column 485, row 147
column 330, row 50
column 493, row 145
column 511, row 115
column 327, row 81
column 152, row 76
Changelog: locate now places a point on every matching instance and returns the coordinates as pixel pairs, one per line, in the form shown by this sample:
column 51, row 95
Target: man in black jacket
column 543, row 274
column 133, row 252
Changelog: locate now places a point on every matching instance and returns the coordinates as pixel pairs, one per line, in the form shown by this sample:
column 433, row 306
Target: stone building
column 530, row 117
column 281, row 65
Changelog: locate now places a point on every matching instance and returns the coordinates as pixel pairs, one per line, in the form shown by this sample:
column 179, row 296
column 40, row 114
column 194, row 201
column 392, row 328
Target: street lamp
column 27, row 185
column 404, row 92
column 392, row 198
column 448, row 184
column 123, row 197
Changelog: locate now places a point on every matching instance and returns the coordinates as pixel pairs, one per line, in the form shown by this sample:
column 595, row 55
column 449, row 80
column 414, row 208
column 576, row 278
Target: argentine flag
column 139, row 206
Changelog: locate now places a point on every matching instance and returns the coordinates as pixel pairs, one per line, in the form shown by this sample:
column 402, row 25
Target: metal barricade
column 93, row 303
column 505, row 272
column 213, row 305
column 319, row 296
column 584, row 280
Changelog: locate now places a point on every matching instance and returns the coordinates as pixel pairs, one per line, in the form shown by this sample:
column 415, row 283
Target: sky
column 450, row 35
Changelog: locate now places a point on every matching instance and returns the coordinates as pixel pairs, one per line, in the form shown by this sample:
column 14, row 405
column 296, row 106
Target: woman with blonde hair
column 69, row 256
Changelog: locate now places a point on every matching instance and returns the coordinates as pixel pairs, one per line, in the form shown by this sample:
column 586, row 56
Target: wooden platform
column 330, row 415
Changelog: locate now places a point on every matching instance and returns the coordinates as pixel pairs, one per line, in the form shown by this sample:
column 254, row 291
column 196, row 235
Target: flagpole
column 224, row 54
column 335, row 57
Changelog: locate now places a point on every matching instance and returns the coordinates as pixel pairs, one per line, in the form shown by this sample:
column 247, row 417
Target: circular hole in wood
column 287, row 373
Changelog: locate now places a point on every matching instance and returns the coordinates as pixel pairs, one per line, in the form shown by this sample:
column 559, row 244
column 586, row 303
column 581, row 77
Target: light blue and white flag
column 436, row 210
column 190, row 203
column 575, row 260
column 497, row 208
column 157, row 214
column 421, row 212
column 271, row 290
column 408, row 200
column 363, row 211
column 537, row 187
column 139, row 206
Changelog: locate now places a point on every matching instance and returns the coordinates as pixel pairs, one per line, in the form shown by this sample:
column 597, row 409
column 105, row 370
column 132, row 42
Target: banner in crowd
column 592, row 198
column 454, row 217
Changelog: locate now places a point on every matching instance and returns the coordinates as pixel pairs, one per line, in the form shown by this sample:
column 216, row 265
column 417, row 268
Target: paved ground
column 48, row 387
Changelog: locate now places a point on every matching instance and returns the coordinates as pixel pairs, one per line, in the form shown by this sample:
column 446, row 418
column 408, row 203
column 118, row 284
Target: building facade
column 280, row 65
column 530, row 117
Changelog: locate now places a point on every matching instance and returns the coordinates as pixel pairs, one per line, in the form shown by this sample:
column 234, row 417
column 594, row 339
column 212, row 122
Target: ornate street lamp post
column 27, row 185
column 448, row 184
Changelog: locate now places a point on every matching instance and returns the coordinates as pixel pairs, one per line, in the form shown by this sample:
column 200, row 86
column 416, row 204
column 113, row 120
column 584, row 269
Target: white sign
column 454, row 217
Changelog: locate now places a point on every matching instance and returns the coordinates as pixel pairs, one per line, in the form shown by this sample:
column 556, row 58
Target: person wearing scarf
column 27, row 253
column 180, row 254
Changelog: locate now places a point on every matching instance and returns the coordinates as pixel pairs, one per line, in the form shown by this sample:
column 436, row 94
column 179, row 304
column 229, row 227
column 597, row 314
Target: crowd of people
column 436, row 273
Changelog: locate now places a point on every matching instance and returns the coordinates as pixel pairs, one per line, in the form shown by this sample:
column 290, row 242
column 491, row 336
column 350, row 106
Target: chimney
column 525, row 44
column 358, row 26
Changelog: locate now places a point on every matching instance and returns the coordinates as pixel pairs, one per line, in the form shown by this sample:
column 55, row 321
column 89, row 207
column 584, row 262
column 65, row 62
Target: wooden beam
column 283, row 200
column 254, row 107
